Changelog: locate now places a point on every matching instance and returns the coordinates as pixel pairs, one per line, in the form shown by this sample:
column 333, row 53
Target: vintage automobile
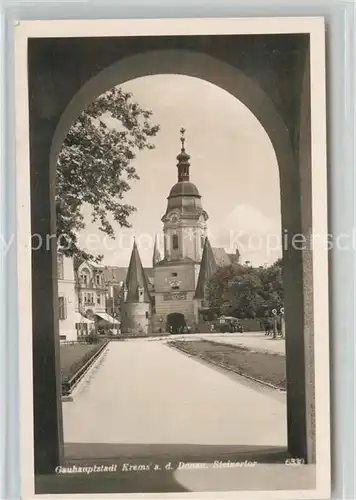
column 229, row 324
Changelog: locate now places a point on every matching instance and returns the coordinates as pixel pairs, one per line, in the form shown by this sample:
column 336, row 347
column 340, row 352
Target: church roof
column 116, row 274
column 184, row 260
column 184, row 188
column 136, row 278
column 156, row 253
column 222, row 258
column 208, row 268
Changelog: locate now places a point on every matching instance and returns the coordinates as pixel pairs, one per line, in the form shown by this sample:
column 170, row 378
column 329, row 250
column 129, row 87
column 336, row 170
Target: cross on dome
column 182, row 138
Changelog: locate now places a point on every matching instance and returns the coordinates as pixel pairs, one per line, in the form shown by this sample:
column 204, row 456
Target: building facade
column 177, row 298
column 66, row 298
column 91, row 290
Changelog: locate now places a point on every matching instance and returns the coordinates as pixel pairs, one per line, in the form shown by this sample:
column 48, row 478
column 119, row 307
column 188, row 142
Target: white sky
column 233, row 164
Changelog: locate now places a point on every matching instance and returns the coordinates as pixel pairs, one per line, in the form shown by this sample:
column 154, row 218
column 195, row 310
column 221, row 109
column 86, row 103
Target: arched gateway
column 176, row 322
column 270, row 75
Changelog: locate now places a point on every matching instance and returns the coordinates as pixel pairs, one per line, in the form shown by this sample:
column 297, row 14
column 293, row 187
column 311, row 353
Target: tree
column 94, row 166
column 246, row 291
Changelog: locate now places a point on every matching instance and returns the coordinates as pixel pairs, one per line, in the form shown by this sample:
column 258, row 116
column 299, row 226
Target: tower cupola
column 183, row 160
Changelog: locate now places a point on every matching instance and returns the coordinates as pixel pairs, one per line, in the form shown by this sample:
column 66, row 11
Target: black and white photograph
column 173, row 284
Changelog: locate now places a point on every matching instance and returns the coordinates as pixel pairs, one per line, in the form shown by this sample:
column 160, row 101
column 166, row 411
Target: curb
column 67, row 387
column 220, row 365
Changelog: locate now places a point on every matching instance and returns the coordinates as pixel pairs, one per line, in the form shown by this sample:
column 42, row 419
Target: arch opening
column 250, row 93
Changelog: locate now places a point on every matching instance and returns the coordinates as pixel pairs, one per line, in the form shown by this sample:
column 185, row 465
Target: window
column 62, row 306
column 146, row 314
column 60, row 266
column 98, row 279
column 175, row 242
column 84, row 279
column 174, row 274
column 98, row 298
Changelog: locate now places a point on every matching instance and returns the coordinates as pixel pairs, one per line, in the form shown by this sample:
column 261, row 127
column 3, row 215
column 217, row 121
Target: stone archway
column 175, row 321
column 293, row 156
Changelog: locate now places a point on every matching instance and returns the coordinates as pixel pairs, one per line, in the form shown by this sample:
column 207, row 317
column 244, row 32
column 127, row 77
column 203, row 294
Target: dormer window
column 140, row 294
column 84, row 277
column 175, row 243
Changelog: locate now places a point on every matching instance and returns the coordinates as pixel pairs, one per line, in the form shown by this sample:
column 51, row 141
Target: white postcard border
column 159, row 27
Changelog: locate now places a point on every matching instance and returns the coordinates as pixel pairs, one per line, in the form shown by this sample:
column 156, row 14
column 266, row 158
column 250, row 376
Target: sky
column 233, row 165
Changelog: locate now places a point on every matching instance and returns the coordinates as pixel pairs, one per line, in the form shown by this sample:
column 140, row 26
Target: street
column 145, row 392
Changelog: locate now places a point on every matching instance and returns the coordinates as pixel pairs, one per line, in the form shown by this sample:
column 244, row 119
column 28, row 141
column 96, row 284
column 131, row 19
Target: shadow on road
column 144, row 468
column 173, row 452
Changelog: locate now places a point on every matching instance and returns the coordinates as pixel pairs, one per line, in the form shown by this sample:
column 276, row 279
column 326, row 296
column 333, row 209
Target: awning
column 79, row 318
column 105, row 316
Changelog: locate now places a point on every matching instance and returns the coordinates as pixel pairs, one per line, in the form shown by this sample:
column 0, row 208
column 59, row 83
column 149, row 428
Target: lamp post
column 274, row 319
column 283, row 325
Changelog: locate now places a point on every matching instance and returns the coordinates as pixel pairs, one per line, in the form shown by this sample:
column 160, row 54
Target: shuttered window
column 60, row 267
column 62, row 306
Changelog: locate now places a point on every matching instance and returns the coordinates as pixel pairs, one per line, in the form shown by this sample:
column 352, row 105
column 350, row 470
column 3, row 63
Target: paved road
column 146, row 392
column 253, row 340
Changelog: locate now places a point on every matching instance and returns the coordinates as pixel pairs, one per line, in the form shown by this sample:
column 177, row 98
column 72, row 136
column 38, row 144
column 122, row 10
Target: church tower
column 176, row 275
column 184, row 220
column 208, row 268
column 136, row 307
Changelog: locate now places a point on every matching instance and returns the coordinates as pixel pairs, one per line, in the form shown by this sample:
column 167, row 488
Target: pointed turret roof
column 156, row 253
column 208, row 268
column 136, row 278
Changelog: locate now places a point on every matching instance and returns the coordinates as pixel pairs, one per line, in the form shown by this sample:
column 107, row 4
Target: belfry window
column 175, row 244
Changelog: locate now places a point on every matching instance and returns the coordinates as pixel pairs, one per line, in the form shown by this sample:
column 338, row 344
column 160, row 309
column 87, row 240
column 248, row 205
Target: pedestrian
column 279, row 326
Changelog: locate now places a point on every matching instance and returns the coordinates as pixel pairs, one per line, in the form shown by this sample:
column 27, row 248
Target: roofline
column 182, row 195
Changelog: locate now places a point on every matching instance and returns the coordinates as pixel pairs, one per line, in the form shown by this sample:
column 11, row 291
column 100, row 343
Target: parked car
column 229, row 324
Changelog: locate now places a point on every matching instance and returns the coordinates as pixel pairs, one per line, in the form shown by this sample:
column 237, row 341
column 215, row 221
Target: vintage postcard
column 172, row 250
